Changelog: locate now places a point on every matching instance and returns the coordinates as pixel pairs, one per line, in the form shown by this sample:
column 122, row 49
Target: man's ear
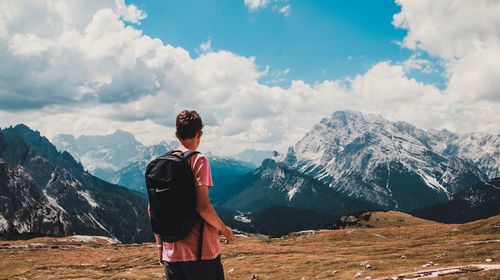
column 177, row 135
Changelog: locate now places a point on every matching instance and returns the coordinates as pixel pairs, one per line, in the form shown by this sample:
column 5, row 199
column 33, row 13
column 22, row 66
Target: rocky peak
column 123, row 135
column 346, row 117
column 268, row 163
column 350, row 152
column 20, row 139
column 43, row 191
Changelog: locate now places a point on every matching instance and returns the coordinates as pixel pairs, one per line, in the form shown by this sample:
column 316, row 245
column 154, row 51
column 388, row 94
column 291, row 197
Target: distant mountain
column 101, row 153
column 473, row 203
column 352, row 163
column 43, row 191
column 346, row 163
column 392, row 164
column 481, row 148
column 275, row 200
column 125, row 163
column 275, row 184
column 253, row 156
column 225, row 171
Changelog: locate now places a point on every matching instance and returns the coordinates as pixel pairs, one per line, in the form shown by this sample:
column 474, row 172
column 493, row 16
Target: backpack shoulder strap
column 170, row 153
column 181, row 155
column 188, row 154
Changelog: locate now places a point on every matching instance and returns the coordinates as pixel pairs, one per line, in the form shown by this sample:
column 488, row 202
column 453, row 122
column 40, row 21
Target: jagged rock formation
column 275, row 184
column 393, row 164
column 43, row 191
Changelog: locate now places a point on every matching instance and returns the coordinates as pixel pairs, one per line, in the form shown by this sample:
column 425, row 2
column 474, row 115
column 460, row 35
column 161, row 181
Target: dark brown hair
column 188, row 123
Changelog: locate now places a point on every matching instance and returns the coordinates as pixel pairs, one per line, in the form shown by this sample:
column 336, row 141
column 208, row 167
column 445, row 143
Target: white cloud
column 277, row 76
column 451, row 28
column 285, row 10
column 281, row 6
column 61, row 61
column 476, row 76
column 90, row 73
column 205, row 46
column 129, row 13
column 28, row 45
column 256, row 4
column 415, row 62
column 465, row 35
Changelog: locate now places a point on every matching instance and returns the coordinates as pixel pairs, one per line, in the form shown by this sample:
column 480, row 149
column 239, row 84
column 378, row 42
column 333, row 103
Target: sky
column 261, row 73
column 315, row 41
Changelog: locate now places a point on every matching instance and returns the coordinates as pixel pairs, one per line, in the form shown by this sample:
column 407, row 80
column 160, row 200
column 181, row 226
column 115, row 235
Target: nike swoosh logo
column 162, row 190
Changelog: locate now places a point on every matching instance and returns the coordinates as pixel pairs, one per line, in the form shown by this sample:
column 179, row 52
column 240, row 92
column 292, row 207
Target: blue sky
column 318, row 40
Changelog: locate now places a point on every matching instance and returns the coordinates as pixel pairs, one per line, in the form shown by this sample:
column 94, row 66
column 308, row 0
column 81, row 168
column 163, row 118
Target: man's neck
column 186, row 146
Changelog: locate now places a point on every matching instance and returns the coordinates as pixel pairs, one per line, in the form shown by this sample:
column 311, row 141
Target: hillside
column 46, row 192
column 379, row 253
column 475, row 202
column 381, row 219
column 275, row 184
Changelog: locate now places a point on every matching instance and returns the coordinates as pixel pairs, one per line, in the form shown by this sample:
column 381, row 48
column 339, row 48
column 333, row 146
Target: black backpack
column 171, row 190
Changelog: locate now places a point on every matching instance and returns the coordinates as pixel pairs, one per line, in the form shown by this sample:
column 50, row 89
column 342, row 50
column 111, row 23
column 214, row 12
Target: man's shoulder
column 201, row 156
column 198, row 157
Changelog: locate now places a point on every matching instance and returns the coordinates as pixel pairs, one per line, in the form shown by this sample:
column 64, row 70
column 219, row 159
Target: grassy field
column 394, row 243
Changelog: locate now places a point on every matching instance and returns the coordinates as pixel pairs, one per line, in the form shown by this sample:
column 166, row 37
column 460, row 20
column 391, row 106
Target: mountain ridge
column 106, row 160
column 349, row 152
column 473, row 203
column 43, row 191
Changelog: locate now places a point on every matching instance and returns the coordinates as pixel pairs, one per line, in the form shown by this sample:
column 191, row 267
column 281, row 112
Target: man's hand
column 160, row 255
column 228, row 234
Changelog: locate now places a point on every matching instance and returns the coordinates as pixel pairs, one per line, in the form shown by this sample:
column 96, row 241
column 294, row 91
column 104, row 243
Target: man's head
column 189, row 126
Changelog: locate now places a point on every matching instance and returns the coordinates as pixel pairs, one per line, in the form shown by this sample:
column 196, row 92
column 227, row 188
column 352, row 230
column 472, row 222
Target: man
column 180, row 257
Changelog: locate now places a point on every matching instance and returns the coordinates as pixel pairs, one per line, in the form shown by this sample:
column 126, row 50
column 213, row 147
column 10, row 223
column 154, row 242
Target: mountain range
column 121, row 159
column 352, row 162
column 392, row 163
column 345, row 163
column 44, row 191
column 348, row 162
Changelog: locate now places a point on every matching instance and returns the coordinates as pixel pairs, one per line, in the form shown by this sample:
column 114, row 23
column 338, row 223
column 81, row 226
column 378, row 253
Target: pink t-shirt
column 186, row 249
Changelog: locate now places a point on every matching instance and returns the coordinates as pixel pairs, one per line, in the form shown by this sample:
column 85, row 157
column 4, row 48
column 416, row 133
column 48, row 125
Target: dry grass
column 390, row 219
column 337, row 254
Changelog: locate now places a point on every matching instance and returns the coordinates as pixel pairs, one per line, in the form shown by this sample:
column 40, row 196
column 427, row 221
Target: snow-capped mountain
column 132, row 174
column 101, row 153
column 481, row 148
column 276, row 184
column 43, row 191
column 253, row 156
column 393, row 164
column 120, row 159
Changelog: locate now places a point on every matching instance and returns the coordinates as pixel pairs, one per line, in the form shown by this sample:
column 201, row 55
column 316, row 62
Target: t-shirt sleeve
column 202, row 172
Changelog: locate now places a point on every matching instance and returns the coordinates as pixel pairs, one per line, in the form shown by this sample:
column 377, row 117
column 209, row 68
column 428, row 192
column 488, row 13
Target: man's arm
column 207, row 212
